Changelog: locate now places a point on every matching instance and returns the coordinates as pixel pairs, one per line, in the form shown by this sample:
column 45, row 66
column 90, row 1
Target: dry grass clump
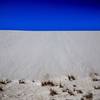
column 22, row 81
column 65, row 90
column 48, row 83
column 33, row 81
column 94, row 76
column 88, row 96
column 82, row 98
column 70, row 92
column 1, row 89
column 5, row 81
column 53, row 92
column 79, row 91
column 61, row 86
column 95, row 79
column 74, row 85
column 71, row 77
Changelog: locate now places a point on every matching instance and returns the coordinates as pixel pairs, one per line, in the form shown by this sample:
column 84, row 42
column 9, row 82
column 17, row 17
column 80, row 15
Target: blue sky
column 49, row 14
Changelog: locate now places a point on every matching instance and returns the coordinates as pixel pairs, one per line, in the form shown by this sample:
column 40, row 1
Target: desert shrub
column 53, row 92
column 47, row 83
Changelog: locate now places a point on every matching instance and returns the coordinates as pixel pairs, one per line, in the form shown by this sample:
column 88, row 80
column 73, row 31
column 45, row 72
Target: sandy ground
column 43, row 55
column 60, row 88
column 62, row 65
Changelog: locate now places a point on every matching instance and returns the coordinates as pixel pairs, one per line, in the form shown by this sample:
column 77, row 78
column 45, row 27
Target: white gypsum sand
column 60, row 88
column 47, row 56
column 38, row 55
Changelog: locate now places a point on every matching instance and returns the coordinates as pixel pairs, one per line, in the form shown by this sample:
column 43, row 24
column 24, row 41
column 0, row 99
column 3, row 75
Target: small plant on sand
column 1, row 88
column 70, row 92
column 22, row 81
column 65, row 90
column 53, row 92
column 79, row 91
column 94, row 76
column 74, row 85
column 95, row 79
column 47, row 83
column 33, row 81
column 82, row 98
column 71, row 77
column 5, row 81
column 88, row 96
column 60, row 85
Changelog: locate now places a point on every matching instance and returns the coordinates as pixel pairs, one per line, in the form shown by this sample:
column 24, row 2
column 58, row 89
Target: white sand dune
column 38, row 55
column 44, row 56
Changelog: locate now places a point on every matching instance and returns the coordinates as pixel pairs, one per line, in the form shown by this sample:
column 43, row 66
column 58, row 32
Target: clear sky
column 49, row 14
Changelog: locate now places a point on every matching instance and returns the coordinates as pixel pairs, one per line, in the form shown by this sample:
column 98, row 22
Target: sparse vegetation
column 82, row 98
column 70, row 92
column 95, row 79
column 64, row 90
column 33, row 81
column 74, row 85
column 71, row 77
column 1, row 88
column 94, row 76
column 53, row 92
column 48, row 83
column 88, row 96
column 61, row 86
column 57, row 89
column 5, row 81
column 22, row 81
column 79, row 91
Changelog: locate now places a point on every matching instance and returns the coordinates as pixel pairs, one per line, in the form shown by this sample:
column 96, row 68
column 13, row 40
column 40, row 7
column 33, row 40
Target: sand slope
column 43, row 55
